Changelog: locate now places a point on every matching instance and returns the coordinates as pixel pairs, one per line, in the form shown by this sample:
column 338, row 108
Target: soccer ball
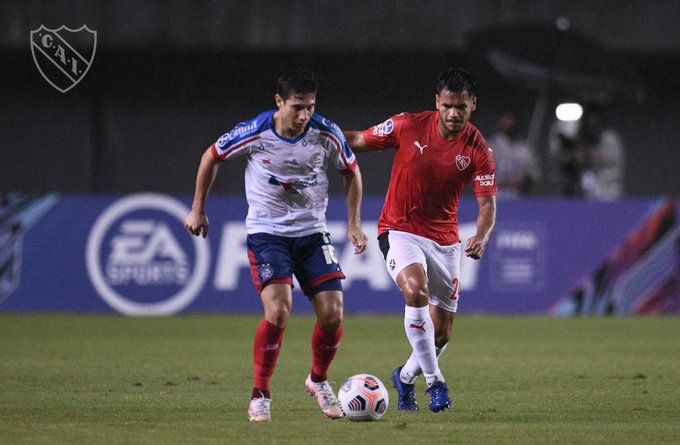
column 363, row 397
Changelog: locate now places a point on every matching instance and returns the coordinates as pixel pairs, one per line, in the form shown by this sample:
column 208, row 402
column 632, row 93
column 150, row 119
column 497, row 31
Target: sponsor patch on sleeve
column 485, row 180
column 383, row 129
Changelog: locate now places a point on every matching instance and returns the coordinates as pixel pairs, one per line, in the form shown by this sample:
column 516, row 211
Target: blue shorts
column 274, row 259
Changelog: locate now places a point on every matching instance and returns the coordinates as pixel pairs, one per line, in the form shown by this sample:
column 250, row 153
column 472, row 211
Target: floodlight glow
column 569, row 112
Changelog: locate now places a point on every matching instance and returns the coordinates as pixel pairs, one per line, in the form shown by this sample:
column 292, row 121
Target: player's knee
column 278, row 315
column 330, row 318
column 331, row 324
column 416, row 293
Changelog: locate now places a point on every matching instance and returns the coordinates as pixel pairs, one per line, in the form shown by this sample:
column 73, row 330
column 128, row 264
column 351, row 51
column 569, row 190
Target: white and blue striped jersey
column 286, row 181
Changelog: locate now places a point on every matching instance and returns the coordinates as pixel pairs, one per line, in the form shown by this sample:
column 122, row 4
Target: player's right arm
column 196, row 221
column 356, row 140
column 378, row 137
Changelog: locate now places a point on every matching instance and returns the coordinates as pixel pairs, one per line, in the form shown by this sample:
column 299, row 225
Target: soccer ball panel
column 363, row 397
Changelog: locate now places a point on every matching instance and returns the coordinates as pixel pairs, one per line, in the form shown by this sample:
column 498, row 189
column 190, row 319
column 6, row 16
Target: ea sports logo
column 140, row 260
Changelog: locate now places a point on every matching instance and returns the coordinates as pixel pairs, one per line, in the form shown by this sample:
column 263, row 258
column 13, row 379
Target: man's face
column 296, row 110
column 454, row 109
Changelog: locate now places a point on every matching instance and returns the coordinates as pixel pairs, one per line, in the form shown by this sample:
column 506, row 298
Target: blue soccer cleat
column 406, row 392
column 439, row 397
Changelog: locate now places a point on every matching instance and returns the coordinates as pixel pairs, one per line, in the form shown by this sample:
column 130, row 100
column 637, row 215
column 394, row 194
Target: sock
column 411, row 368
column 420, row 333
column 324, row 347
column 265, row 353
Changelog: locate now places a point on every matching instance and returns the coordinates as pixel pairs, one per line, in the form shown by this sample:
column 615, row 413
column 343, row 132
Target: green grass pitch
column 187, row 379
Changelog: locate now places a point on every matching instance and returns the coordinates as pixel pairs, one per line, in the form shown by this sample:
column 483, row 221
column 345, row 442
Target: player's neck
column 287, row 131
column 445, row 132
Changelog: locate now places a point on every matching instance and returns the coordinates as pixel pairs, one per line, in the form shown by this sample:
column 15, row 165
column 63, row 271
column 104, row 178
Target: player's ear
column 474, row 103
column 436, row 101
column 279, row 100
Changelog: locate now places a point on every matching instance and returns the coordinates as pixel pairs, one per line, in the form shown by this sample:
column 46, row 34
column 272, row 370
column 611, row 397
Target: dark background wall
column 169, row 77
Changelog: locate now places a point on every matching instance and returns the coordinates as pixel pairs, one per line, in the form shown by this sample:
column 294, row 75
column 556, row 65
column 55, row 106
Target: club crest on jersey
column 383, row 129
column 63, row 55
column 462, row 162
column 315, row 161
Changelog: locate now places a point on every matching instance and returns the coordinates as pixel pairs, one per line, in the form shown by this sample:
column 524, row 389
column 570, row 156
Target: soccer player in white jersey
column 289, row 150
column 437, row 153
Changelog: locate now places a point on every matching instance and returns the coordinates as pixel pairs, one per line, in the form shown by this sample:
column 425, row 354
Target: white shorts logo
column 136, row 260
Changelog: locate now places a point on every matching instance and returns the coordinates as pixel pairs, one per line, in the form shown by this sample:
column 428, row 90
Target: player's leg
column 418, row 324
column 444, row 279
column 328, row 328
column 318, row 271
column 406, row 264
column 442, row 321
column 271, row 269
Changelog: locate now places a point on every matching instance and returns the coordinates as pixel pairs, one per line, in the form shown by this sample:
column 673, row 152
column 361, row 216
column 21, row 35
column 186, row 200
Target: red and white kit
column 428, row 177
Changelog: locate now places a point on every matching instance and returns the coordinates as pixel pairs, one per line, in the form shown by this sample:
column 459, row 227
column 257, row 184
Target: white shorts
column 441, row 264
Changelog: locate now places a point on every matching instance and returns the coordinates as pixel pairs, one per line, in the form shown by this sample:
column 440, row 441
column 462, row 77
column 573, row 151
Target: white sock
column 420, row 333
column 411, row 368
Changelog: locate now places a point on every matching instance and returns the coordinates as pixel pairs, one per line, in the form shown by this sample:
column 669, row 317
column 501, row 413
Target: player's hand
column 474, row 248
column 196, row 223
column 358, row 239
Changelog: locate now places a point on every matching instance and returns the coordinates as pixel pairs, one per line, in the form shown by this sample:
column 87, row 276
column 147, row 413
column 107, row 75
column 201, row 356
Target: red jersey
column 429, row 174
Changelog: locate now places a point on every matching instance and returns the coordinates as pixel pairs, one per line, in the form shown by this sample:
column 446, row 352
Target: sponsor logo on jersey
column 393, row 264
column 462, row 162
column 268, row 146
column 383, row 129
column 420, row 147
column 485, row 180
column 140, row 260
column 295, row 186
column 236, row 132
column 331, row 125
column 63, row 55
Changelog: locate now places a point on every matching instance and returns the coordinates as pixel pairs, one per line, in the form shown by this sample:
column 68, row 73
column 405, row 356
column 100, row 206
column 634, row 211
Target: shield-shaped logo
column 63, row 56
column 462, row 162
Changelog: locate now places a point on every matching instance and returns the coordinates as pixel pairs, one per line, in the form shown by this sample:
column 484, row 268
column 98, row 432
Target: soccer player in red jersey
column 437, row 154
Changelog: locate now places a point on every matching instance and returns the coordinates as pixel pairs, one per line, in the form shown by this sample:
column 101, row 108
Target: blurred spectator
column 604, row 157
column 567, row 159
column 516, row 166
column 588, row 158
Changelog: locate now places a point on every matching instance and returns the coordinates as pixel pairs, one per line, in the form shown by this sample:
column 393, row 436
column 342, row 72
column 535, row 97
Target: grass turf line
column 187, row 379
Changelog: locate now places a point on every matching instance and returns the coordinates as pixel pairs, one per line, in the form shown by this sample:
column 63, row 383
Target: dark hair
column 456, row 80
column 296, row 82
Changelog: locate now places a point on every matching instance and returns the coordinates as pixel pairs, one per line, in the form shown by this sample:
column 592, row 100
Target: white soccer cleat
column 325, row 396
column 260, row 410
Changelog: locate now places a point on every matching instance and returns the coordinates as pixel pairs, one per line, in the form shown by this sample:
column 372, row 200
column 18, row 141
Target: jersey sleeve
column 237, row 142
column 485, row 172
column 385, row 135
column 341, row 155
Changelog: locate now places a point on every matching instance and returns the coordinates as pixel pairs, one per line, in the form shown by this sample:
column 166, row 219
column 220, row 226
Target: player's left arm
column 486, row 222
column 353, row 192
